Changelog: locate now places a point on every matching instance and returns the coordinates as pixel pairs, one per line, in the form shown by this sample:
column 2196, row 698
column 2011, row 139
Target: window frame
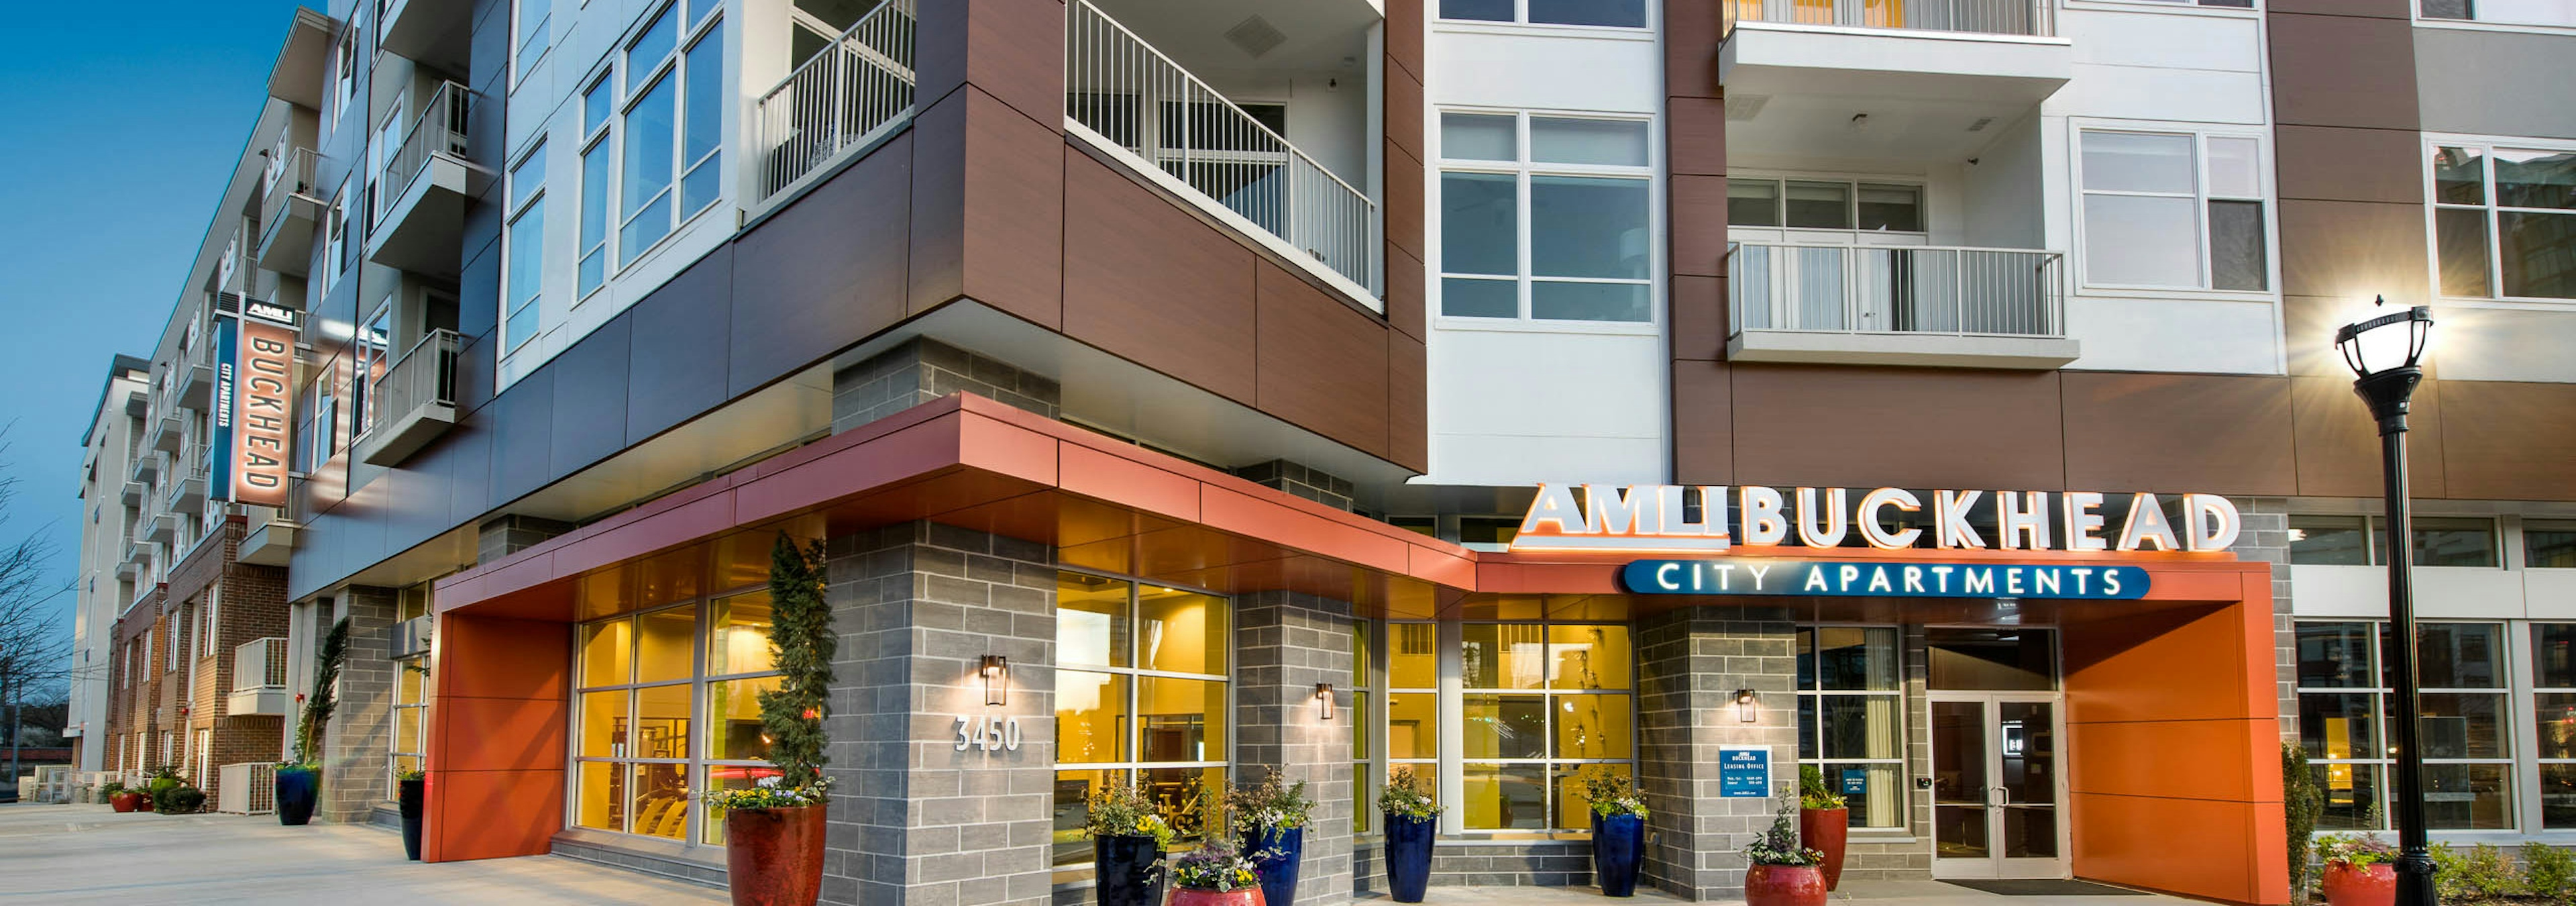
column 1133, row 765
column 2415, row 10
column 516, row 210
column 522, row 41
column 599, row 138
column 1853, row 235
column 2266, row 194
column 2521, row 770
column 2491, row 209
column 1453, row 758
column 631, row 89
column 1903, row 694
column 695, row 765
column 1523, row 169
column 1650, row 12
column 2374, row 541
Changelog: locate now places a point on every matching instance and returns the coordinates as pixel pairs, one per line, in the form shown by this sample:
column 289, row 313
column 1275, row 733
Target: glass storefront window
column 1849, row 723
column 1996, row 660
column 668, row 705
column 1142, row 696
column 1541, row 702
column 2465, row 723
column 1364, row 774
column 2548, row 544
column 2553, row 713
column 411, row 716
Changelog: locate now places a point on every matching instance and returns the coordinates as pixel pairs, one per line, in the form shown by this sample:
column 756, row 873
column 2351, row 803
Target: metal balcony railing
column 260, row 665
column 426, row 375
column 2037, row 18
column 439, row 130
column 286, row 178
column 1904, row 289
column 842, row 99
column 1123, row 91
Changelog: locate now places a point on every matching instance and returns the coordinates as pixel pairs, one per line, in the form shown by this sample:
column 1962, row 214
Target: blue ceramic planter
column 1408, row 857
column 295, row 793
column 1129, row 871
column 1618, row 844
column 1275, row 854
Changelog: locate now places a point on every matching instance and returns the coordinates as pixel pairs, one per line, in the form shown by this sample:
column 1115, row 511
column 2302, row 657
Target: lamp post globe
column 2386, row 353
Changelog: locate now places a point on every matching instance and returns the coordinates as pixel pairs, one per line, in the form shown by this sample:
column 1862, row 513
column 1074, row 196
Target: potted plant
column 119, row 797
column 774, row 829
column 1270, row 820
column 1824, row 821
column 412, row 785
column 180, row 798
column 299, row 779
column 1783, row 871
column 1410, row 814
column 1127, row 841
column 2360, row 870
column 1618, row 830
column 1215, row 875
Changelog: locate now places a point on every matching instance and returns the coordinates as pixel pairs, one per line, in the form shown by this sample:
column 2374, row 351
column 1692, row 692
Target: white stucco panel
column 1519, row 407
column 1495, row 68
column 2162, row 334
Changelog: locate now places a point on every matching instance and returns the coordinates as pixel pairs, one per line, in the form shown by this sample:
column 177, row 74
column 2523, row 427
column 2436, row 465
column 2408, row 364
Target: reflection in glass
column 738, row 635
column 1176, row 795
column 1573, row 812
column 1959, row 780
column 2454, row 542
column 1412, row 725
column 2558, row 796
column 1505, row 797
column 2463, row 725
column 2329, row 541
column 668, row 646
column 1090, row 717
column 2460, row 176
column 2460, row 655
column 604, row 650
column 2335, row 655
column 2533, row 249
column 2555, row 713
column 1502, row 656
column 2553, row 655
column 1592, row 726
column 1588, row 657
column 734, row 707
column 2468, row 797
column 2461, row 237
column 1847, row 658
column 661, row 798
column 661, row 722
column 1477, row 136
column 2548, row 544
column 603, row 724
column 1181, row 632
column 1857, row 726
column 1180, row 719
column 2007, row 660
column 2351, row 796
column 2339, row 725
column 1090, row 620
column 1505, row 726
column 1879, row 800
column 1411, row 659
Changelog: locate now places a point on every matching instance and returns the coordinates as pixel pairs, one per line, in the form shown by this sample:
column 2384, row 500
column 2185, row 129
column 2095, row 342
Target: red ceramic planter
column 126, row 802
column 1246, row 896
column 774, row 856
column 2367, row 885
column 1784, row 885
column 1827, row 830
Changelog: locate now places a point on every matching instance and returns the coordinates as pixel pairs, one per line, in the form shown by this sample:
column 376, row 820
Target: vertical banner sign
column 1744, row 772
column 219, row 446
column 263, row 404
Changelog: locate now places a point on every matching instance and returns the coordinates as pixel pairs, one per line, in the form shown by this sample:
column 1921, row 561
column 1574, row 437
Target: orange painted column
column 2175, row 759
column 497, row 737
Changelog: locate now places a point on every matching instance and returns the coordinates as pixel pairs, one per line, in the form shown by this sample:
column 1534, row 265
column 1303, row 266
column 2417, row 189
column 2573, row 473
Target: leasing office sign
column 1754, row 519
column 254, row 404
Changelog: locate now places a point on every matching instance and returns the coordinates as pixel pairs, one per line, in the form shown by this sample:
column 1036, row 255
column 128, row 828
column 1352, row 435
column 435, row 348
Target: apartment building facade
column 1362, row 386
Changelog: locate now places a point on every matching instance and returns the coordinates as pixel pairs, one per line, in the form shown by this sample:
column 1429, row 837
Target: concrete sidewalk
column 1854, row 893
column 89, row 854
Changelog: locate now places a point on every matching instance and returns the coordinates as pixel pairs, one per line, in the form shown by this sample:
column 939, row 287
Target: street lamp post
column 2386, row 354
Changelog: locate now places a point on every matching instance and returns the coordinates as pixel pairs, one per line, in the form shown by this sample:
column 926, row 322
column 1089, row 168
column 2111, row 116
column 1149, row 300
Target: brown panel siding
column 1703, row 424
column 1699, row 319
column 2339, row 444
column 2354, row 250
column 1936, row 428
column 2342, row 164
column 1147, row 281
column 1408, row 403
column 1013, row 49
column 1014, row 211
column 825, row 272
column 1321, row 364
column 2508, row 441
column 2342, row 71
column 2218, row 434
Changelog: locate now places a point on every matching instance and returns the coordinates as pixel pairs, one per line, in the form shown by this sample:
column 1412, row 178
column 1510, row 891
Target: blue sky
column 117, row 130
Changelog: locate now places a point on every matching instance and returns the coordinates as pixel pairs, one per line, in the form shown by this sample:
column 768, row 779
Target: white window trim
column 671, row 65
column 2415, row 9
column 1520, row 24
column 2433, row 143
column 1658, row 231
column 1905, row 696
column 2185, row 7
column 2269, row 195
column 517, row 67
column 2522, row 761
column 1917, row 182
column 694, row 763
column 510, row 225
column 601, row 138
column 1133, row 725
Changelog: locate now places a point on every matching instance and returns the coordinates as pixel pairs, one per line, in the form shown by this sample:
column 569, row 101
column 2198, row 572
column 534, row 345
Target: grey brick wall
column 501, row 536
column 1301, row 480
column 1285, row 643
column 1690, row 661
column 2266, row 538
column 361, row 731
column 914, row 821
column 920, row 370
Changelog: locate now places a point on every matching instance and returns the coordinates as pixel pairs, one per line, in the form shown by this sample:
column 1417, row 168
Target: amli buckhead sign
column 254, row 404
column 1712, row 519
column 1825, row 578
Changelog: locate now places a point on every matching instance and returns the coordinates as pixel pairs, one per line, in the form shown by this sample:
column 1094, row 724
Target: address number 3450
column 993, row 733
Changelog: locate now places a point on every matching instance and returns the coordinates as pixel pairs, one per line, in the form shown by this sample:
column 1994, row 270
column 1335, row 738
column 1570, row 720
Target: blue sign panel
column 1855, row 783
column 219, row 443
column 1743, row 772
column 1770, row 576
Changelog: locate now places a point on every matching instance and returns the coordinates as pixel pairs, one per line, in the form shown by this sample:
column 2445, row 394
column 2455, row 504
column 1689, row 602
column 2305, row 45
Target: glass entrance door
column 1998, row 780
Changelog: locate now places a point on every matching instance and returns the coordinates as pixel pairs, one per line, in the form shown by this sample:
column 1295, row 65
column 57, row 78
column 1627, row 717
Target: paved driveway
column 88, row 854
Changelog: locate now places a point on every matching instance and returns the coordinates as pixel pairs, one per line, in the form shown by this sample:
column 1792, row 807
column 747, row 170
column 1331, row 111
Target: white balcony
column 1885, row 78
column 132, row 493
column 197, row 379
column 259, row 679
column 270, row 540
column 137, row 556
column 161, row 528
column 436, row 32
column 839, row 102
column 186, row 490
column 416, row 219
column 145, row 468
column 1133, row 99
column 1905, row 305
column 413, row 403
column 290, row 212
column 165, row 433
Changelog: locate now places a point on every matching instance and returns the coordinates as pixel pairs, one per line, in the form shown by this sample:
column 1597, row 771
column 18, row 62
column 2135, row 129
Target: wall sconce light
column 1324, row 700
column 997, row 679
column 1744, row 705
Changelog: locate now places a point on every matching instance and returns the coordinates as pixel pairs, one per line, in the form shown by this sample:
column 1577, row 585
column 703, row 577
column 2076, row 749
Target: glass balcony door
column 1998, row 785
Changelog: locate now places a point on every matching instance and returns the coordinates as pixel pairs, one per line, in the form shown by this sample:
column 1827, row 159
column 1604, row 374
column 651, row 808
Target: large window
column 1615, row 13
column 2174, row 210
column 2355, row 541
column 1142, row 696
column 533, row 17
column 1543, row 703
column 2504, row 221
column 1812, row 204
column 1850, row 702
column 1412, row 723
column 2553, row 710
column 596, row 158
column 669, row 705
column 526, row 264
column 1546, row 218
column 2549, row 544
column 673, row 124
column 2465, row 728
column 1365, row 778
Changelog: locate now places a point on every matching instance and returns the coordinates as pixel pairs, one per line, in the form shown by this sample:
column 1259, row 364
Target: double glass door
column 1998, row 785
